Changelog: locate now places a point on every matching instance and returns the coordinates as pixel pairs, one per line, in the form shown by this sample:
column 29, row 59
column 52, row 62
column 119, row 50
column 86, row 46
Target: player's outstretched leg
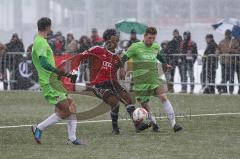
column 37, row 129
column 151, row 117
column 64, row 110
column 125, row 96
column 67, row 110
column 114, row 115
column 108, row 96
column 168, row 109
column 113, row 100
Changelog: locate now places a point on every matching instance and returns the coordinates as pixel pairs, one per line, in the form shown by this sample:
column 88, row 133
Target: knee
column 63, row 114
column 72, row 106
column 66, row 108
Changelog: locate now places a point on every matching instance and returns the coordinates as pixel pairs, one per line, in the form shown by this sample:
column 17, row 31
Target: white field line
column 102, row 121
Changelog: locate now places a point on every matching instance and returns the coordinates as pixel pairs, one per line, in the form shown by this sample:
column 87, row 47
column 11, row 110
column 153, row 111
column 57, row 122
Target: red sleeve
column 73, row 63
column 68, row 66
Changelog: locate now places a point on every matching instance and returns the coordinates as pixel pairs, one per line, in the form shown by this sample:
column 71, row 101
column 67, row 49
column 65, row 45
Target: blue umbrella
column 231, row 24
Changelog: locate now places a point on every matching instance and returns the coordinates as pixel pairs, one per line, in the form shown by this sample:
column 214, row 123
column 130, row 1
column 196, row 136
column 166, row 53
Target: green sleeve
column 161, row 58
column 47, row 66
column 41, row 48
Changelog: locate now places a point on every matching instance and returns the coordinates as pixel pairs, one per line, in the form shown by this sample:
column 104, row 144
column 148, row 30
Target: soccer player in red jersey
column 104, row 64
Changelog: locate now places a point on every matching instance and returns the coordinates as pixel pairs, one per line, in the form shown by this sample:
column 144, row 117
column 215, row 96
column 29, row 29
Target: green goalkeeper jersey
column 145, row 70
column 41, row 48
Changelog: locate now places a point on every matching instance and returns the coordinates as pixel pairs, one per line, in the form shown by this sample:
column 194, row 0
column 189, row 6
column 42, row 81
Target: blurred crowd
column 69, row 44
column 181, row 53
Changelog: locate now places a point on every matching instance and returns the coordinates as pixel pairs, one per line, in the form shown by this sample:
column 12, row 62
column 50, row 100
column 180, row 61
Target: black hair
column 210, row 36
column 175, row 31
column 133, row 31
column 228, row 32
column 109, row 33
column 187, row 33
column 164, row 43
column 43, row 23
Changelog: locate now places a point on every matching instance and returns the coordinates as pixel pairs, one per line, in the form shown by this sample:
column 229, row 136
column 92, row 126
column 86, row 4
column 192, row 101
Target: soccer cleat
column 76, row 142
column 177, row 128
column 37, row 133
column 142, row 126
column 116, row 129
column 156, row 128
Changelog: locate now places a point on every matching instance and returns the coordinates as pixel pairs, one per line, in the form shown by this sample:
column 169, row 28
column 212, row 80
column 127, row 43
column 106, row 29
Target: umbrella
column 127, row 25
column 231, row 24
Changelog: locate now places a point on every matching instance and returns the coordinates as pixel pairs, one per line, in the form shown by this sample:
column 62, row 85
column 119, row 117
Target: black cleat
column 156, row 128
column 142, row 126
column 177, row 128
column 116, row 130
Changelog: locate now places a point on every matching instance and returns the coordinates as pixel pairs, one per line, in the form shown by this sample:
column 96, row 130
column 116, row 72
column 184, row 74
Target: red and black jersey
column 103, row 64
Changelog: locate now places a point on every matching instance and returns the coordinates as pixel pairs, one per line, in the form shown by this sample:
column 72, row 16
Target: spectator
column 133, row 37
column 227, row 47
column 2, row 52
column 189, row 50
column 15, row 44
column 59, row 43
column 84, row 44
column 34, row 76
column 29, row 49
column 71, row 44
column 12, row 60
column 238, row 66
column 95, row 38
column 51, row 41
column 165, row 53
column 2, row 47
column 210, row 64
column 174, row 58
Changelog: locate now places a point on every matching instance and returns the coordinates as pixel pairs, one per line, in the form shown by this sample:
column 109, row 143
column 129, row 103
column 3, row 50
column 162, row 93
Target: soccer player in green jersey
column 65, row 108
column 145, row 56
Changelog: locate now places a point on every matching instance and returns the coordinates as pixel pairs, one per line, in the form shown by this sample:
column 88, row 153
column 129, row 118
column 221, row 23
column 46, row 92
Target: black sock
column 114, row 115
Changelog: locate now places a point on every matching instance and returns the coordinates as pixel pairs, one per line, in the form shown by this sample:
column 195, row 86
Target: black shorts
column 108, row 86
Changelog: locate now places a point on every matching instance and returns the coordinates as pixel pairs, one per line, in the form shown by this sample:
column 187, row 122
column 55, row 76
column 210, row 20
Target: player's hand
column 166, row 68
column 61, row 74
column 122, row 74
column 72, row 77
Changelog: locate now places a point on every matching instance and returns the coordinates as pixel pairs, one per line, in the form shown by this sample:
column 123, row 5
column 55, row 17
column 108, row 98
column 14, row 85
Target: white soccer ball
column 140, row 114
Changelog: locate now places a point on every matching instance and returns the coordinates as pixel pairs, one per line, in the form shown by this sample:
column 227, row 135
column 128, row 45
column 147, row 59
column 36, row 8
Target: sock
column 170, row 112
column 51, row 120
column 71, row 127
column 114, row 114
column 152, row 118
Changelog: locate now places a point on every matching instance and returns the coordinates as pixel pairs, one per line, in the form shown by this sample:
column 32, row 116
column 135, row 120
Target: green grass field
column 208, row 137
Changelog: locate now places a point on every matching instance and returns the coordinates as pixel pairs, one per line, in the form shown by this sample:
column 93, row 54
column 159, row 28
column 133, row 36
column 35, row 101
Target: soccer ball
column 140, row 114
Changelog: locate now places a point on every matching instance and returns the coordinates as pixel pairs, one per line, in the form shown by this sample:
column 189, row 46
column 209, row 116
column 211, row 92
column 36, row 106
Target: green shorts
column 145, row 91
column 53, row 96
